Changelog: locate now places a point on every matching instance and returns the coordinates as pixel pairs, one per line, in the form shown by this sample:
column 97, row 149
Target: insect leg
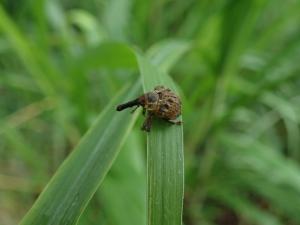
column 132, row 111
column 147, row 123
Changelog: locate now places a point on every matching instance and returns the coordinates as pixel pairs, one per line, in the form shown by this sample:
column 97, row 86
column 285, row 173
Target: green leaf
column 244, row 207
column 166, row 53
column 111, row 55
column 36, row 62
column 25, row 52
column 93, row 31
column 164, row 158
column 281, row 105
column 75, row 182
column 126, row 182
column 116, row 17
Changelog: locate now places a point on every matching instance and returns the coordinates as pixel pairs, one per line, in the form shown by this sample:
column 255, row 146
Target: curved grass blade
column 126, row 182
column 167, row 53
column 164, row 158
column 75, row 182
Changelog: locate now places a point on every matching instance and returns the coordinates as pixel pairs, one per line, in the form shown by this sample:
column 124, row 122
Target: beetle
column 161, row 103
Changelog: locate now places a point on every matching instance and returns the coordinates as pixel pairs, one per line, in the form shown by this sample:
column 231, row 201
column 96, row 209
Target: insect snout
column 126, row 105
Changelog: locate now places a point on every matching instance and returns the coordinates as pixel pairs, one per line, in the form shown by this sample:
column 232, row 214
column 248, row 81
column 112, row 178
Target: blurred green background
column 238, row 70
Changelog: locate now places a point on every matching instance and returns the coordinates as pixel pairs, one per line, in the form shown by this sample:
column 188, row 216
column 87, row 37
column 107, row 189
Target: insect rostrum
column 161, row 103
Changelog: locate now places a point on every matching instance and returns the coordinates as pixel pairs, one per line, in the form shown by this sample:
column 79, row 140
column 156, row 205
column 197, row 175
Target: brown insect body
column 161, row 103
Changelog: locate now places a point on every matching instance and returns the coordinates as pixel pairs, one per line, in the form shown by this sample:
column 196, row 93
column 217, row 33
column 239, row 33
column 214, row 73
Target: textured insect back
column 169, row 104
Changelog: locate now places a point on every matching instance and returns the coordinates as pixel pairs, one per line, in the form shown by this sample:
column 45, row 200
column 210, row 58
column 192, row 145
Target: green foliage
column 236, row 67
column 164, row 157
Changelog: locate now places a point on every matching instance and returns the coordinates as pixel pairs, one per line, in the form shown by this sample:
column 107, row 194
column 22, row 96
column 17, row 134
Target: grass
column 78, row 178
column 164, row 158
column 83, row 171
column 235, row 66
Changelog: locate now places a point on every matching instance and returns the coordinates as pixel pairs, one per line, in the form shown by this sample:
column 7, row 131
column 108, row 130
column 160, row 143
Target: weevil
column 161, row 103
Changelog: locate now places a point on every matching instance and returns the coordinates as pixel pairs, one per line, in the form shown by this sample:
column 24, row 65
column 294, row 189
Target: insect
column 161, row 103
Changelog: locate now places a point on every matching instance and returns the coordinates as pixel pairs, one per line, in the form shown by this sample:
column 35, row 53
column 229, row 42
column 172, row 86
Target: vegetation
column 65, row 65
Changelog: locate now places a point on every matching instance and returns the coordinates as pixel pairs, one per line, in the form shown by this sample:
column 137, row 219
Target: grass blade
column 164, row 159
column 126, row 182
column 167, row 53
column 75, row 182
